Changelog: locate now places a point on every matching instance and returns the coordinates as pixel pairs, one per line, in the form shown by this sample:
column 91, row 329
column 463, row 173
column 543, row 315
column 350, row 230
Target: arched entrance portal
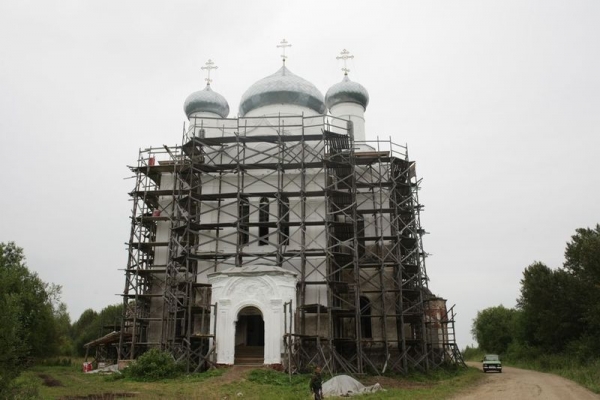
column 249, row 298
column 249, row 337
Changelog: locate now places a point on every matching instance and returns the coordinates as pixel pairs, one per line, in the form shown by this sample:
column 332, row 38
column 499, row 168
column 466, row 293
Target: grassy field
column 68, row 382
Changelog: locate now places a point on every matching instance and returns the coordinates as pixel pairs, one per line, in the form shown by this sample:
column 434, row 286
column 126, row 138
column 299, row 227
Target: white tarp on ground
column 109, row 369
column 344, row 385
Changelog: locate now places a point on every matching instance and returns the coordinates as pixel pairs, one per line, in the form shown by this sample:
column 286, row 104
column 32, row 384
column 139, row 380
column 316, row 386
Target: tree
column 63, row 329
column 553, row 304
column 83, row 330
column 493, row 329
column 558, row 309
column 582, row 255
column 13, row 351
column 536, row 296
column 27, row 318
column 91, row 325
column 582, row 260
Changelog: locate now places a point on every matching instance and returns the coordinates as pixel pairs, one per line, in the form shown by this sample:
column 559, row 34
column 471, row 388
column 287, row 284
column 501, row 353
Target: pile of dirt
column 50, row 381
column 100, row 396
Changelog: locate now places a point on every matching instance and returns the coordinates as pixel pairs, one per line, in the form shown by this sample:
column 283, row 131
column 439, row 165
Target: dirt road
column 521, row 384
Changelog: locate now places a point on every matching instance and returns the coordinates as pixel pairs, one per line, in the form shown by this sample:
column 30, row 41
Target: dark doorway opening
column 249, row 337
column 255, row 330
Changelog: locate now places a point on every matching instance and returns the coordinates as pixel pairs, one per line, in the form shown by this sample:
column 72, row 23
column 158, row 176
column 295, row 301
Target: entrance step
column 249, row 355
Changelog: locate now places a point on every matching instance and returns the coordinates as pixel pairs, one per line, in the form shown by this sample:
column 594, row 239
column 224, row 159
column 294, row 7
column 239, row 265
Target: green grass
column 224, row 384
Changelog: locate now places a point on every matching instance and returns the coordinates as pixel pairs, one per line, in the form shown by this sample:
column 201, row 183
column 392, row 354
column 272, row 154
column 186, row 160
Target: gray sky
column 498, row 102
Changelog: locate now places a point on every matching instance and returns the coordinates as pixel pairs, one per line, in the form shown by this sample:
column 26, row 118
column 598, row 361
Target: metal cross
column 283, row 44
column 345, row 55
column 209, row 65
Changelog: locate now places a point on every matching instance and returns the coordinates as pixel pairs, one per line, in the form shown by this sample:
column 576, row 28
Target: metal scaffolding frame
column 300, row 193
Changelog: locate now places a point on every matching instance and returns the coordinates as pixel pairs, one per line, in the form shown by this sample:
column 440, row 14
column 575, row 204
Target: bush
column 21, row 389
column 154, row 365
column 585, row 349
column 472, row 354
column 518, row 352
column 55, row 362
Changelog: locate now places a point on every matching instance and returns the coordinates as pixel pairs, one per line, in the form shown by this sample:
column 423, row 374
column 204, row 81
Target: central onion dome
column 206, row 101
column 347, row 91
column 283, row 87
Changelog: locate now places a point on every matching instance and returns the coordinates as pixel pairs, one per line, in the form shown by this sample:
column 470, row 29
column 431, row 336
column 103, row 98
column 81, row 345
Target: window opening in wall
column 244, row 216
column 365, row 318
column 263, row 218
column 284, row 216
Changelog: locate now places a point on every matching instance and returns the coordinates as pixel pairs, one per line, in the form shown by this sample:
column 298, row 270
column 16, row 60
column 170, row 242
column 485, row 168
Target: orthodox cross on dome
column 209, row 66
column 345, row 55
column 283, row 44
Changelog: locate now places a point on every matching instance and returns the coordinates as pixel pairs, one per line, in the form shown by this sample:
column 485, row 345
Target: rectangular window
column 244, row 220
column 284, row 218
column 263, row 219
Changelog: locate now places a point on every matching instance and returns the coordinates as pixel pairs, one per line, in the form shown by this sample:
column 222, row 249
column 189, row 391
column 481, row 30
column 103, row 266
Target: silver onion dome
column 347, row 91
column 206, row 100
column 283, row 87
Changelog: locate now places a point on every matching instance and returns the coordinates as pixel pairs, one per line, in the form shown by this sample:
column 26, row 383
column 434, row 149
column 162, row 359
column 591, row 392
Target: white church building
column 281, row 236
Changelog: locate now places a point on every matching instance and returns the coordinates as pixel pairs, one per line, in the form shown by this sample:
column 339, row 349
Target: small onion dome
column 206, row 100
column 283, row 87
column 347, row 91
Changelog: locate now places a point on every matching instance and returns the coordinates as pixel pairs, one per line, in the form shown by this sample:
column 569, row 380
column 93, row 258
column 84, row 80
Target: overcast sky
column 498, row 101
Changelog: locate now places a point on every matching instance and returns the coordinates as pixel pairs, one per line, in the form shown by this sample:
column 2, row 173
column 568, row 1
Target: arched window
column 284, row 217
column 263, row 218
column 244, row 217
column 366, row 330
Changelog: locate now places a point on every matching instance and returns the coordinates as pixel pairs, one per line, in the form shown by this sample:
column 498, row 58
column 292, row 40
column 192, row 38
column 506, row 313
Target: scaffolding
column 297, row 192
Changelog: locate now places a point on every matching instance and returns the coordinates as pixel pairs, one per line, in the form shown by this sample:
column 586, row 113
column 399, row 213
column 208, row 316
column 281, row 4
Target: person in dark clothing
column 316, row 383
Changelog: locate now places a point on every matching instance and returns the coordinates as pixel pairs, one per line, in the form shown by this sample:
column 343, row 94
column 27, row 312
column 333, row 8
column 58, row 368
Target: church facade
column 281, row 236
